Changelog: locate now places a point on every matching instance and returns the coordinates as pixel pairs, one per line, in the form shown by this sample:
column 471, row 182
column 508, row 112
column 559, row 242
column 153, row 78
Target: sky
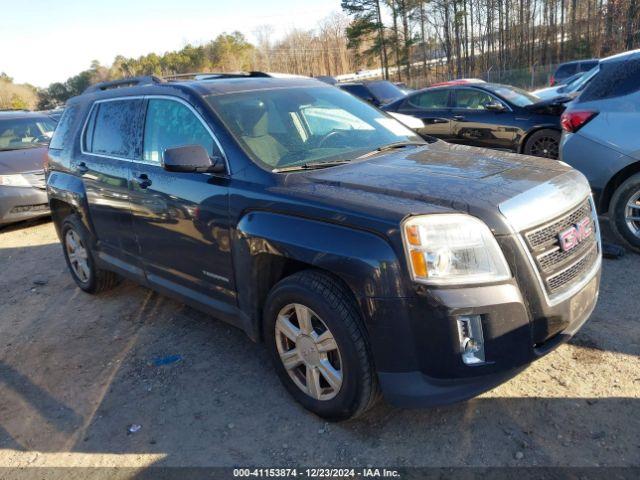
column 45, row 41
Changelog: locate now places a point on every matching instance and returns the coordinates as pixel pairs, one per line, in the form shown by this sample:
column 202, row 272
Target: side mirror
column 494, row 107
column 191, row 158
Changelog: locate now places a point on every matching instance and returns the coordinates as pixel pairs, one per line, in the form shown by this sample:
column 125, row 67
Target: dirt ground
column 77, row 370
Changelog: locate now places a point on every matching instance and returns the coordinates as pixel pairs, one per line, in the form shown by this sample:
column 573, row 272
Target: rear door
column 432, row 107
column 181, row 220
column 474, row 124
column 111, row 139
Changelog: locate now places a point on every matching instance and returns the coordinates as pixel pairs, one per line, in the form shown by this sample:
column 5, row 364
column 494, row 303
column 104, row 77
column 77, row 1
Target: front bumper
column 428, row 370
column 22, row 203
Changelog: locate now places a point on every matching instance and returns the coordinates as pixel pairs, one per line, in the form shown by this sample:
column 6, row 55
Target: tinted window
column 472, row 99
column 431, row 99
column 385, row 91
column 615, row 79
column 115, row 129
column 172, row 124
column 586, row 66
column 62, row 136
column 566, row 70
column 358, row 90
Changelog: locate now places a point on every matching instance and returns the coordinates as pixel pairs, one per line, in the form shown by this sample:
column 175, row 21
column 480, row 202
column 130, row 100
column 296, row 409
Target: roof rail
column 214, row 75
column 124, row 82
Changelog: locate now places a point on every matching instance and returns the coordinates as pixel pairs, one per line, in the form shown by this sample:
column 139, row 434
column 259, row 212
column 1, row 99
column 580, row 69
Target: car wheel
column 543, row 143
column 314, row 332
column 76, row 244
column 624, row 212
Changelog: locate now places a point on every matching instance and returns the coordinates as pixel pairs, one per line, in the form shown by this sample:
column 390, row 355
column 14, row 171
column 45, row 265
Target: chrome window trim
column 140, row 160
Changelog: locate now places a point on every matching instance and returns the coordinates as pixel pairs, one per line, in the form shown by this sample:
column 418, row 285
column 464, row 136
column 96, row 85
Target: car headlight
column 452, row 249
column 16, row 180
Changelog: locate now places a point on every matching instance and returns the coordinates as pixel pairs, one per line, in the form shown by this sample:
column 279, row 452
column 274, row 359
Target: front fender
column 68, row 189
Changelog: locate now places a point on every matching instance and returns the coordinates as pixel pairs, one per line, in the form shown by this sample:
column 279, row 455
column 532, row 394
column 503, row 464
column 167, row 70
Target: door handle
column 458, row 117
column 142, row 180
column 82, row 168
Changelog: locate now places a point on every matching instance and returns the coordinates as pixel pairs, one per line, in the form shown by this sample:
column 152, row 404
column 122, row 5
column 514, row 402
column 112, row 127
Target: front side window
column 169, row 124
column 20, row 133
column 114, row 129
column 472, row 99
column 432, row 99
column 292, row 126
column 515, row 95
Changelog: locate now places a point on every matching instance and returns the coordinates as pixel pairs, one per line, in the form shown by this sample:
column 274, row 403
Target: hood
column 435, row 178
column 22, row 160
column 553, row 105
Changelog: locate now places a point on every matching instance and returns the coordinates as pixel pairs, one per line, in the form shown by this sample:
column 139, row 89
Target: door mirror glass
column 191, row 158
column 494, row 106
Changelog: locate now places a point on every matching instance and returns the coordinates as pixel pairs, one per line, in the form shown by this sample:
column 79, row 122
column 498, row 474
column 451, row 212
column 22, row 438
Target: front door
column 112, row 139
column 474, row 124
column 181, row 220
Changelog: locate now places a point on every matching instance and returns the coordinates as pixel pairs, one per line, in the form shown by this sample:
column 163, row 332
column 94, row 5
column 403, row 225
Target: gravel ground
column 76, row 371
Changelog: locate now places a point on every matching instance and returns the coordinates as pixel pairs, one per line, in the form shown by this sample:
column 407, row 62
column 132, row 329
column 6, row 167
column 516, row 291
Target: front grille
column 560, row 270
column 36, row 179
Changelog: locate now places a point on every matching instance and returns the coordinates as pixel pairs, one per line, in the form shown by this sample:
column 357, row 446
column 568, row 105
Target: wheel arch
column 527, row 136
column 614, row 182
column 67, row 195
column 265, row 252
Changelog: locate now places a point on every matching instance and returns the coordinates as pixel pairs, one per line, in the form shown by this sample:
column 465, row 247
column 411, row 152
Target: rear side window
column 172, row 124
column 615, row 79
column 62, row 137
column 433, row 99
column 114, row 129
column 567, row 70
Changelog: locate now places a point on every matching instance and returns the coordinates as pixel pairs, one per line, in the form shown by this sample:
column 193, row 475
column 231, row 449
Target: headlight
column 451, row 249
column 14, row 181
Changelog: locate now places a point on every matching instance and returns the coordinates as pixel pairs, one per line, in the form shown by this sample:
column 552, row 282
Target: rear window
column 586, row 66
column 114, row 129
column 62, row 137
column 358, row 90
column 386, row 91
column 615, row 79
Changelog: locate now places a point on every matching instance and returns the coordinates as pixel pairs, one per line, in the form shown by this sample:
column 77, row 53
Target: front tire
column 76, row 244
column 315, row 336
column 624, row 212
column 543, row 143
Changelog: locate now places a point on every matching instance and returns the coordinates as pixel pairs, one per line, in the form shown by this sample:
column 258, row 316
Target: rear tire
column 624, row 209
column 308, row 306
column 543, row 143
column 76, row 245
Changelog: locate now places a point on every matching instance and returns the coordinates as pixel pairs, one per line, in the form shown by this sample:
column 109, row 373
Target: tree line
column 413, row 41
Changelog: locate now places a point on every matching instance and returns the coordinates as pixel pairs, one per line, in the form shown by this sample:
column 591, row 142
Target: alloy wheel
column 309, row 352
column 77, row 254
column 546, row 147
column 632, row 214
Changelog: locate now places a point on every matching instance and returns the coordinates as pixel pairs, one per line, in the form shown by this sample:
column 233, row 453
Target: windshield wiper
column 309, row 166
column 391, row 146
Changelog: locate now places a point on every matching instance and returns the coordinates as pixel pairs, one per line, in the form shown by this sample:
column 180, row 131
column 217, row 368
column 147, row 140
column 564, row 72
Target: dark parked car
column 568, row 69
column 574, row 86
column 486, row 115
column 601, row 140
column 365, row 257
column 24, row 137
column 376, row 92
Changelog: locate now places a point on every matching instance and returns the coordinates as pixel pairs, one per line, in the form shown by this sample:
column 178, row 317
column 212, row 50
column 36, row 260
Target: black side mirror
column 495, row 107
column 192, row 158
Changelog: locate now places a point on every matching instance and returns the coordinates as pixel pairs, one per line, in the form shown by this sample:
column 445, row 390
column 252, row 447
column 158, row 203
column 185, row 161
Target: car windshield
column 293, row 126
column 386, row 91
column 514, row 95
column 19, row 133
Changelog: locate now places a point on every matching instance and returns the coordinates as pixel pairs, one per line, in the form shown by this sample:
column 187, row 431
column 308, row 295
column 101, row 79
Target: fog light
column 471, row 339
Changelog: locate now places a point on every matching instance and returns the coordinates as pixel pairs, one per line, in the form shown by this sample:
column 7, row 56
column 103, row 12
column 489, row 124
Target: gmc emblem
column 572, row 236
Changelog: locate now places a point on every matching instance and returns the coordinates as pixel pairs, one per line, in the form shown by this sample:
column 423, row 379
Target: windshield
column 18, row 133
column 386, row 91
column 514, row 95
column 291, row 126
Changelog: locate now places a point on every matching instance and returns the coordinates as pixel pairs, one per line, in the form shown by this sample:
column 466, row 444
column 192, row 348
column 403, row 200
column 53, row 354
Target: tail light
column 552, row 81
column 574, row 120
